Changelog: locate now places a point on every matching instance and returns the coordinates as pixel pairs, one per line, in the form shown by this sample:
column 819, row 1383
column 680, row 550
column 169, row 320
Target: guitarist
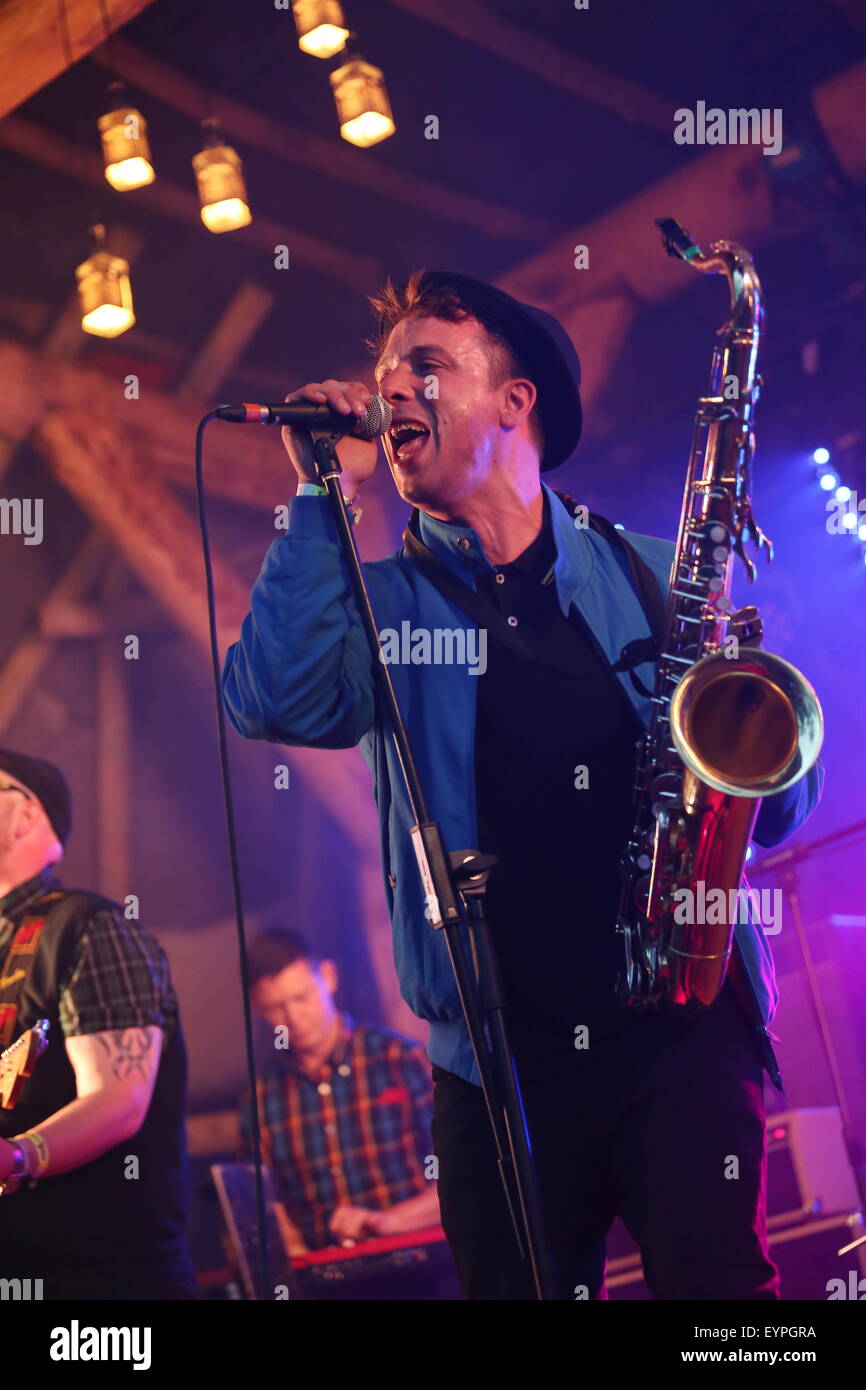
column 92, row 1160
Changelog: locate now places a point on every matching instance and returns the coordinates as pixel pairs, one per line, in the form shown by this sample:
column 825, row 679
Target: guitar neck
column 18, row 1062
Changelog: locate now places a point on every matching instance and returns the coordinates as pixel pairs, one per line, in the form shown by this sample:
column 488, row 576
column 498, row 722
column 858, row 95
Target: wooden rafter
column 28, row 658
column 160, row 424
column 159, row 541
column 113, row 755
column 225, row 344
column 149, row 527
column 71, row 620
column 518, row 44
column 244, row 464
column 32, row 44
column 726, row 192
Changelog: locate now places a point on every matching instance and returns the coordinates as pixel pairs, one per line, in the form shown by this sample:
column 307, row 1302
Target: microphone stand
column 454, row 885
column 786, row 861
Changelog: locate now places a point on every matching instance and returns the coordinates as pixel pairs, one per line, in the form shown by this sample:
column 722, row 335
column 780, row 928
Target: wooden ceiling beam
column 160, row 543
column 244, row 464
column 31, row 317
column 25, row 314
column 225, row 345
column 334, row 159
column 519, row 45
column 30, row 655
column 53, row 151
column 724, row 193
column 33, row 44
column 84, row 621
column 150, row 528
column 240, row 460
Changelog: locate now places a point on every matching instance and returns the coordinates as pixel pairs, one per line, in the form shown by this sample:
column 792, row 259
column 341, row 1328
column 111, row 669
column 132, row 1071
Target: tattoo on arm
column 127, row 1052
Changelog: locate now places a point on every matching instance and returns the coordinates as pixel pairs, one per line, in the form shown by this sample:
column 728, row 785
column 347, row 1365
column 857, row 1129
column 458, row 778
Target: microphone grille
column 376, row 421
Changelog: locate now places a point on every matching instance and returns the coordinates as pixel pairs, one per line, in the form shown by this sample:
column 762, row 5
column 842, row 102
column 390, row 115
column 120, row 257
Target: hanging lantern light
column 104, row 290
column 321, row 27
column 221, row 188
column 125, row 148
column 362, row 103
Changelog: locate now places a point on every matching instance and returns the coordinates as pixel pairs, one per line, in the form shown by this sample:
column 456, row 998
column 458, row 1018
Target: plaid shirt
column 96, row 972
column 357, row 1132
column 120, row 976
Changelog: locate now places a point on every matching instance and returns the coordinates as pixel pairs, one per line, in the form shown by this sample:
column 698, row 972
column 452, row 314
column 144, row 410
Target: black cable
column 231, row 837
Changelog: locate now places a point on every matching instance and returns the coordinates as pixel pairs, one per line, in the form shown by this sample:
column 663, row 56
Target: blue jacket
column 301, row 674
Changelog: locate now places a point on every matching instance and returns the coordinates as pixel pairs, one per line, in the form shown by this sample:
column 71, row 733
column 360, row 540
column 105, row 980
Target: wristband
column 315, row 490
column 40, row 1149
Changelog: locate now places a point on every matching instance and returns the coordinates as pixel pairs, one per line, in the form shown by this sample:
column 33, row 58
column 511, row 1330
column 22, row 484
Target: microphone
column 312, row 417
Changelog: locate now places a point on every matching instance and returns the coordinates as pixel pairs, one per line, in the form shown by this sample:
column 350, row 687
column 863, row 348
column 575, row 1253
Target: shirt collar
column 538, row 559
column 19, row 898
column 459, row 548
column 336, row 1057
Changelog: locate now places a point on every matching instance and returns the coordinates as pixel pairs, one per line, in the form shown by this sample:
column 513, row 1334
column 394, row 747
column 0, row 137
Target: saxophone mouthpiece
column 676, row 239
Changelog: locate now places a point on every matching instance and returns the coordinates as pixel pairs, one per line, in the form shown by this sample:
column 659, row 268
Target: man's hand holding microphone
column 357, row 455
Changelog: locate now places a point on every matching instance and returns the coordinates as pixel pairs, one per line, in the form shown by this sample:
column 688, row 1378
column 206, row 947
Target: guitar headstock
column 19, row 1061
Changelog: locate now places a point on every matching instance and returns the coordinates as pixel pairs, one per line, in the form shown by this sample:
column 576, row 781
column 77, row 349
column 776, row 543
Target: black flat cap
column 543, row 346
column 47, row 784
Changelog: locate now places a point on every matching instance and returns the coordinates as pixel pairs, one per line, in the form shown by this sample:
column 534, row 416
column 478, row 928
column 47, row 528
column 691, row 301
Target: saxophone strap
column 645, row 585
column 485, row 614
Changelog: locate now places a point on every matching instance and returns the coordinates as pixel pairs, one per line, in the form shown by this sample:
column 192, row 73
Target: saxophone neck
column 726, row 258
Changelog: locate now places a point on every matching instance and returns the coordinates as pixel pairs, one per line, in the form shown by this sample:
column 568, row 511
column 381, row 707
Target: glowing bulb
column 843, row 493
column 321, row 27
column 849, row 521
column 828, row 481
column 104, row 292
column 221, row 188
column 226, row 215
column 125, row 150
column 363, row 109
column 820, row 456
column 861, row 530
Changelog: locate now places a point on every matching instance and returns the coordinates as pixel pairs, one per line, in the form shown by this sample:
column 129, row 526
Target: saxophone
column 729, row 724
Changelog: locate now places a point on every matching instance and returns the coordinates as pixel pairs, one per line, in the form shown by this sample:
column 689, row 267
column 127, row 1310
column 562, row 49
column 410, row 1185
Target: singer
column 631, row 1112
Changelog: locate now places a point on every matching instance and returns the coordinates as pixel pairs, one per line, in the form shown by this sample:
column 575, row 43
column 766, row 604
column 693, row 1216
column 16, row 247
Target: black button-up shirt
column 554, row 760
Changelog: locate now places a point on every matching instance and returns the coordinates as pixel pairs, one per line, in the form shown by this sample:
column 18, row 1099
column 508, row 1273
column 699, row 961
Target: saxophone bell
column 750, row 726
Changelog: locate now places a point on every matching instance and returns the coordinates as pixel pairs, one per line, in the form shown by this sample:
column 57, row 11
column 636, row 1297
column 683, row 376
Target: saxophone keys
column 747, row 627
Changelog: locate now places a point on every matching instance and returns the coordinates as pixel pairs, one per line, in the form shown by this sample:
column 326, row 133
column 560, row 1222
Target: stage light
column 104, row 290
column 618, row 526
column 125, row 150
column 321, row 27
column 363, row 109
column 849, row 521
column 820, row 456
column 861, row 531
column 221, row 188
column 828, row 481
column 843, row 493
